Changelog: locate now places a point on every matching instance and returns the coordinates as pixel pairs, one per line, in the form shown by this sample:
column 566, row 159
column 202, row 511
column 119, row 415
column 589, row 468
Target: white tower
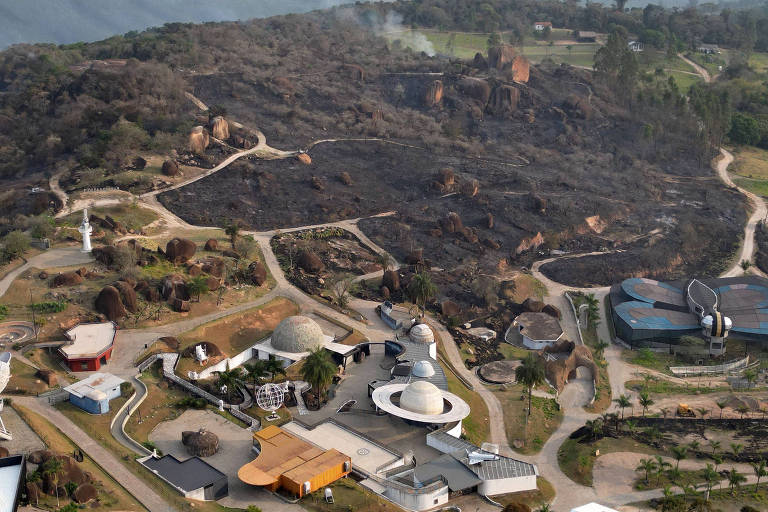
column 85, row 229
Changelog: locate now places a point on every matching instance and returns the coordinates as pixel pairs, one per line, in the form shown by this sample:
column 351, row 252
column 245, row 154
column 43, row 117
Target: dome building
column 422, row 334
column 422, row 397
column 422, row 370
column 297, row 334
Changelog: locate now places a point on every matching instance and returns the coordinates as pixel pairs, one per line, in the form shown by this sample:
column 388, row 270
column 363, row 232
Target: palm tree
column 33, row 478
column 51, row 468
column 760, row 471
column 694, row 445
column 668, row 494
column 595, row 427
column 721, row 404
column 230, row 379
column 530, row 374
column 674, row 474
column 631, row 425
column 232, row 231
column 647, row 465
column 318, row 370
column 743, row 409
column 623, row 402
column 703, row 411
column 255, row 371
column 715, row 445
column 600, row 349
column 593, row 310
column 197, row 286
column 274, row 367
column 679, row 453
column 751, row 376
column 717, row 459
column 661, row 465
column 645, row 401
column 736, row 449
column 710, row 477
column 735, row 479
column 421, row 289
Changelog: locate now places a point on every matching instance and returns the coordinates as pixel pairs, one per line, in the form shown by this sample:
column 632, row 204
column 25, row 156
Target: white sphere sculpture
column 5, row 370
column 270, row 397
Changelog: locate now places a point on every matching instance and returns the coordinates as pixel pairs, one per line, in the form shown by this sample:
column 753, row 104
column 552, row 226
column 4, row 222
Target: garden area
column 528, row 434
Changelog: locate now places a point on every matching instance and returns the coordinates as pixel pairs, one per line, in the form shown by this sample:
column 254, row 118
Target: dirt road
column 700, row 70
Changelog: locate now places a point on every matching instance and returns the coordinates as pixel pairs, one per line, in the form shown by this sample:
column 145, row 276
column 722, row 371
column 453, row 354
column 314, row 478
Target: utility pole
column 34, row 323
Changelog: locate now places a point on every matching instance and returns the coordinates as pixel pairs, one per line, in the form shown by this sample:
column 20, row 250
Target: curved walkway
column 699, row 70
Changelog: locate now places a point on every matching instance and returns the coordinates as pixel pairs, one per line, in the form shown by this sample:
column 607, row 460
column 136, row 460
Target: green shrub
column 3, row 312
column 49, row 306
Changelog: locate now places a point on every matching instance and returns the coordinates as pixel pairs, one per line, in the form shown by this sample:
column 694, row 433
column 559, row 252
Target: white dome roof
column 96, row 395
column 421, row 333
column 422, row 369
column 422, row 397
column 5, row 369
column 297, row 334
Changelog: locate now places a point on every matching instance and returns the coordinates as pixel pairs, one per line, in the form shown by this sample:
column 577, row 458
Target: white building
column 539, row 330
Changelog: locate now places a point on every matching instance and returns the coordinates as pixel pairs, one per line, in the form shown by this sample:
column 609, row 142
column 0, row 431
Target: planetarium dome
column 422, row 369
column 422, row 397
column 297, row 334
column 421, row 333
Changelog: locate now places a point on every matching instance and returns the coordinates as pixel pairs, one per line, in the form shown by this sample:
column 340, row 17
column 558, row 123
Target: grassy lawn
column 663, row 387
column 159, row 406
column 475, row 425
column 750, row 162
column 684, row 80
column 756, row 186
column 534, row 499
column 759, row 61
column 528, row 286
column 659, row 361
column 708, row 62
column 347, row 496
column 512, row 351
column 576, row 459
column 45, row 358
column 111, row 495
column 128, row 214
column 687, row 477
column 544, row 420
column 24, row 380
column 235, row 333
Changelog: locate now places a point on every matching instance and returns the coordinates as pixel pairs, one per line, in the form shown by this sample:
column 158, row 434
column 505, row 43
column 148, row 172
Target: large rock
column 174, row 286
column 48, row 376
column 504, row 100
column 391, row 280
column 212, row 245
column 127, row 296
column 212, row 283
column 67, row 279
column 220, row 128
column 180, row 250
column 532, row 305
column 216, row 267
column 501, row 56
column 171, row 168
column 475, row 88
column 109, row 303
column 257, row 273
column 229, row 253
column 198, row 140
column 105, row 254
column 529, row 243
column 452, row 223
column 310, row 262
column 304, row 158
column 521, row 69
column 434, row 94
column 480, row 62
column 415, row 257
column 450, row 308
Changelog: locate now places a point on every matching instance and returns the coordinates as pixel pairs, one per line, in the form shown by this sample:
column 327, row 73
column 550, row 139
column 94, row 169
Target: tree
column 230, row 379
column 595, row 427
column 593, row 310
column 715, row 445
column 717, row 459
column 421, row 289
column 33, row 478
column 600, row 348
column 751, row 376
column 255, row 371
column 647, row 465
column 661, row 466
column 694, row 445
column 743, row 409
column 274, row 367
column 530, row 374
column 645, row 401
column 232, row 231
column 623, row 402
column 617, row 64
column 494, row 40
column 620, row 4
column 15, row 244
column 721, row 404
column 384, row 260
column 197, row 286
column 760, row 471
column 42, row 226
column 544, row 508
column 736, row 449
column 340, row 289
column 710, row 477
column 735, row 479
column 51, row 468
column 318, row 370
column 745, row 264
column 679, row 453
column 124, row 261
column 745, row 129
column 703, row 411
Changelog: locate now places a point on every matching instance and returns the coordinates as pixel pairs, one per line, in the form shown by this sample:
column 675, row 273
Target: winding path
column 699, row 69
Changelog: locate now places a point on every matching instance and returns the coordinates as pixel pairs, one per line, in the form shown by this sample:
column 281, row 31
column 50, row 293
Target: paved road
column 133, row 484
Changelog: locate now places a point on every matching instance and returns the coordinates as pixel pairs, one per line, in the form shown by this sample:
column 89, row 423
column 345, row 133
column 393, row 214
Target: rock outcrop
column 67, row 279
column 198, row 140
column 304, row 158
column 532, row 305
column 258, row 273
column 171, row 168
column 211, row 245
column 504, row 100
column 310, row 262
column 475, row 88
column 521, row 69
column 175, row 291
column 220, row 128
column 127, row 296
column 180, row 250
column 214, row 266
column 559, row 371
column 391, row 280
column 529, row 243
column 501, row 56
column 109, row 304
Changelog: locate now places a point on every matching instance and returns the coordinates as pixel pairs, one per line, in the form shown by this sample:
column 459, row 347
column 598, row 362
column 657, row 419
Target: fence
column 710, row 370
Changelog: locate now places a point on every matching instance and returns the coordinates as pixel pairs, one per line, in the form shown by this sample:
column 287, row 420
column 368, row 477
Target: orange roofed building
column 286, row 462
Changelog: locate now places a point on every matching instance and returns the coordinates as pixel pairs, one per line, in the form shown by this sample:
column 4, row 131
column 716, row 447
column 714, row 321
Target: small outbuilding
column 586, row 36
column 539, row 330
column 396, row 318
column 93, row 393
column 539, row 26
column 193, row 478
column 89, row 347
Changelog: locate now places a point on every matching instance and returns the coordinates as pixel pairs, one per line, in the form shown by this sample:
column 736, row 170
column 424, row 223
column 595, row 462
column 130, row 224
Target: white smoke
column 392, row 28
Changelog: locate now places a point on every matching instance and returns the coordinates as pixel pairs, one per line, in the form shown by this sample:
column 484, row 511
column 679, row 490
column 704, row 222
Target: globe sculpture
column 5, row 376
column 270, row 398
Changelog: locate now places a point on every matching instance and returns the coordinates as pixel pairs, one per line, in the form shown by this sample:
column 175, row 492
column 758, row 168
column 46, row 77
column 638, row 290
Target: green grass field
column 750, row 162
column 759, row 187
column 759, row 61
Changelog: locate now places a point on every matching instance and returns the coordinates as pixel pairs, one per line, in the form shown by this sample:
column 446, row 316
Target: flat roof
column 10, row 479
column 365, row 454
column 641, row 315
column 414, row 352
column 456, row 475
column 283, row 454
column 98, row 381
column 500, row 468
column 89, row 340
column 651, row 291
column 382, row 397
column 539, row 326
column 188, row 475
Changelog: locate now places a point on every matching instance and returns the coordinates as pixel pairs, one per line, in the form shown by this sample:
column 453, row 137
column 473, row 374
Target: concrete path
column 117, row 423
column 133, row 484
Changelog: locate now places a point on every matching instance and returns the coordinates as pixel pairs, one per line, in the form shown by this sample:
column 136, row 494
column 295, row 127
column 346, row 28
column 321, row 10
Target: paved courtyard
column 234, row 451
column 24, row 438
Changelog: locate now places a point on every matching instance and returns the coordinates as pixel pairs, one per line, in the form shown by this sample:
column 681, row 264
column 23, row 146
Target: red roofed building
column 89, row 347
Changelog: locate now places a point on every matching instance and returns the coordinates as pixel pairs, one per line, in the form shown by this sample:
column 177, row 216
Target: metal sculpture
column 270, row 398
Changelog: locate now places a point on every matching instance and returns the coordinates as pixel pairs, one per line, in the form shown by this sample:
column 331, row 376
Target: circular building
column 297, row 334
column 421, row 333
column 422, row 397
